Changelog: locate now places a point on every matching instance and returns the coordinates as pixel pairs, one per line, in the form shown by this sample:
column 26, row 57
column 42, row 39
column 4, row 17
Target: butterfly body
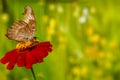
column 23, row 30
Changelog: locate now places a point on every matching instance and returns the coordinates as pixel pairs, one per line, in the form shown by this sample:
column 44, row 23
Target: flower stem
column 33, row 73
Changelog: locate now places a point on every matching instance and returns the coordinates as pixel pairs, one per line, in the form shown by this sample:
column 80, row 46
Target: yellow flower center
column 23, row 45
column 26, row 45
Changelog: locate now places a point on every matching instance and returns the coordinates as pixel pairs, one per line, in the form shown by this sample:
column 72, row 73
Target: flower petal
column 12, row 61
column 28, row 57
column 29, row 60
column 45, row 46
column 8, row 56
column 41, row 51
column 37, row 56
column 42, row 44
column 21, row 60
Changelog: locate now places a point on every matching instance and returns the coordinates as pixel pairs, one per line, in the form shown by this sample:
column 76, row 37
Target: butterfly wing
column 23, row 30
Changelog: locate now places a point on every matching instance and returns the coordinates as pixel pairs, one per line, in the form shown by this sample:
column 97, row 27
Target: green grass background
column 85, row 35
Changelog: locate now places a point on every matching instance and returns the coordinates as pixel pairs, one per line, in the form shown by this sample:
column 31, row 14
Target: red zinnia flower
column 26, row 54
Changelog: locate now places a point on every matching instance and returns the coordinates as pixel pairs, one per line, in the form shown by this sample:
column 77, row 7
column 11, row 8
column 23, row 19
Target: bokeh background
column 85, row 35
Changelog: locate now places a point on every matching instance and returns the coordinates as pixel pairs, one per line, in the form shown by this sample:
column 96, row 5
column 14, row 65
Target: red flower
column 27, row 54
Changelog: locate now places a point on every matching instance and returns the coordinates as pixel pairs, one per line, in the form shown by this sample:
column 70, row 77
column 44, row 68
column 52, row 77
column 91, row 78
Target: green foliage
column 84, row 34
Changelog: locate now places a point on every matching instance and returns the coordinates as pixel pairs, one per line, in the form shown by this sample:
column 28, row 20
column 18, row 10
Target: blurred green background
column 85, row 35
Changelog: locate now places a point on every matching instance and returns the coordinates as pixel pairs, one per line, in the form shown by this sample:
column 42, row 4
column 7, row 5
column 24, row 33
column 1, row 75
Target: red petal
column 12, row 61
column 37, row 56
column 41, row 51
column 8, row 56
column 45, row 46
column 43, row 54
column 45, row 43
column 29, row 60
column 21, row 60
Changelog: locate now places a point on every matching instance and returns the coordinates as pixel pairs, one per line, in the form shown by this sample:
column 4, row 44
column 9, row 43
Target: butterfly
column 23, row 30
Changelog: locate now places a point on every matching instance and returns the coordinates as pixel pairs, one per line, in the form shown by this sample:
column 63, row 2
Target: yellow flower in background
column 52, row 23
column 83, row 71
column 91, row 51
column 114, row 45
column 102, row 55
column 92, row 9
column 89, row 31
column 109, row 55
column 45, row 18
column 80, row 71
column 102, row 42
column 62, row 39
column 76, row 70
column 105, row 55
column 50, row 30
column 52, row 7
column 76, row 11
column 95, row 38
column 4, row 17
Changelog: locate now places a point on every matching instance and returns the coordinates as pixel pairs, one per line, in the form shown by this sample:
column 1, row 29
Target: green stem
column 33, row 74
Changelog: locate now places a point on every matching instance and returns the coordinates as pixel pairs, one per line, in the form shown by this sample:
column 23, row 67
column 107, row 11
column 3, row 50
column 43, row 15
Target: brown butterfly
column 23, row 30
